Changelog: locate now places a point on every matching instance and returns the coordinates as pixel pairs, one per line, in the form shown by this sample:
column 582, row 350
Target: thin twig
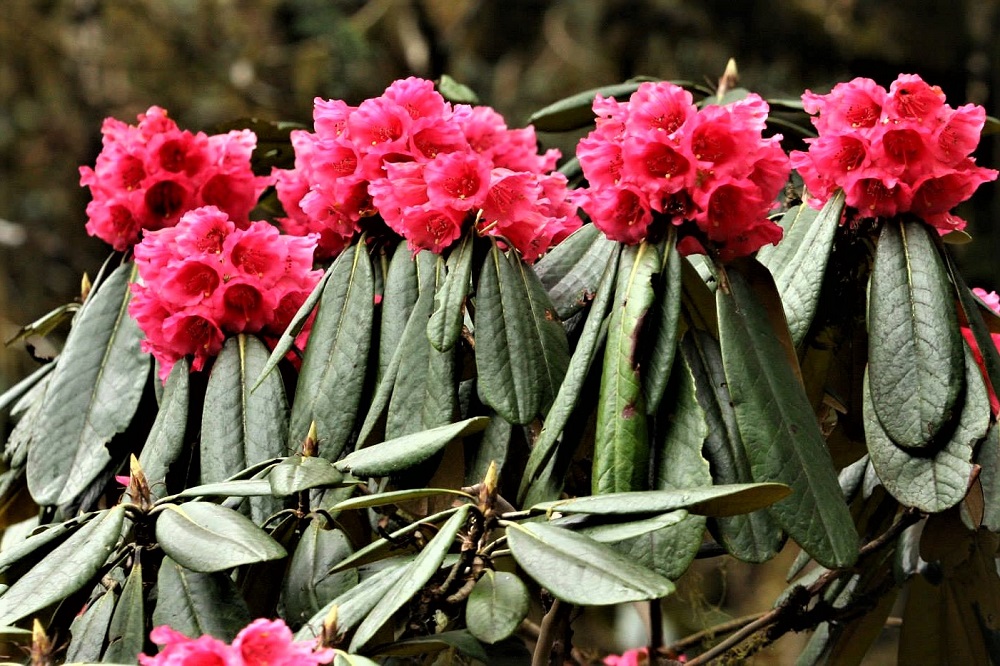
column 749, row 630
column 719, row 629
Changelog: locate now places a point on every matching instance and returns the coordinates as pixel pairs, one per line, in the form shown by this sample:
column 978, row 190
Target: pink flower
column 147, row 176
column 261, row 643
column 179, row 650
column 428, row 169
column 633, row 657
column 205, row 279
column 901, row 151
column 658, row 158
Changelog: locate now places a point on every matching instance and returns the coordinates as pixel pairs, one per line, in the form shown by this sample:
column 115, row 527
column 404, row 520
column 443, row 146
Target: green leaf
column 974, row 313
column 939, row 481
column 575, row 112
column 988, row 459
column 197, row 604
column 455, row 92
column 538, row 467
column 753, row 537
column 580, row 570
column 333, row 369
column 709, row 501
column 240, row 428
column 573, row 269
column 621, row 441
column 13, row 395
column 425, row 394
column 445, row 325
column 779, row 429
column 404, row 452
column 239, row 488
column 412, row 580
column 612, row 533
column 396, row 497
column 496, row 606
column 127, row 631
column 295, row 326
column 915, row 348
column 798, row 262
column 165, row 442
column 17, row 552
column 206, row 537
column 521, row 348
column 306, row 587
column 89, row 629
column 379, row 547
column 493, row 447
column 400, row 295
column 68, row 568
column 342, row 658
column 461, row 641
column 296, row 473
column 664, row 319
column 92, row 396
column 354, row 604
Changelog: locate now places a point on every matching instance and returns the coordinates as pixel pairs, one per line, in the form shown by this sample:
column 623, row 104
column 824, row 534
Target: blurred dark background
column 67, row 64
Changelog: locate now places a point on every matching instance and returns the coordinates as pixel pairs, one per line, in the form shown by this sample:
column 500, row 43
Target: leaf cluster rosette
column 148, row 175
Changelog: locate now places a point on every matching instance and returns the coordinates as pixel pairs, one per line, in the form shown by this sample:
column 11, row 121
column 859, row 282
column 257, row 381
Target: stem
column 655, row 626
column 763, row 621
column 704, row 634
column 548, row 633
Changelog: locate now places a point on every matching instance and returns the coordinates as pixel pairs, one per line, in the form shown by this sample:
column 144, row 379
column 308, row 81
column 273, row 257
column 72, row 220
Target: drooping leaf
column 197, row 604
column 496, row 606
column 493, row 447
column 621, row 441
column 664, row 319
column 206, row 537
column 400, row 295
column 92, row 396
column 297, row 473
column 462, row 641
column 573, row 269
column 988, row 458
column 935, row 482
column 68, row 568
column 445, row 325
column 752, row 537
column 974, row 316
column 10, row 397
column 778, row 428
column 354, row 604
column 90, row 628
column 569, row 391
column 798, row 262
column 580, row 570
column 509, row 359
column 378, row 548
column 425, row 392
column 127, row 630
column 306, row 587
column 547, row 329
column 13, row 554
column 717, row 500
column 333, row 368
column 238, row 488
column 915, row 348
column 403, row 452
column 412, row 580
column 396, row 497
column 295, row 326
column 240, row 427
column 166, row 438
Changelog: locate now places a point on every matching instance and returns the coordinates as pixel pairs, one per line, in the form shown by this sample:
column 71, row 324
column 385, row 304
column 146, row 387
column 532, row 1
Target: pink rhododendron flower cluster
column 901, row 151
column 147, row 176
column 992, row 299
column 658, row 156
column 428, row 168
column 206, row 278
column 261, row 643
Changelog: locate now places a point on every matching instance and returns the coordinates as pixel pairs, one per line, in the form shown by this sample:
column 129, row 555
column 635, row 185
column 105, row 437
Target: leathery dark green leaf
column 333, row 368
column 725, row 500
column 915, row 348
column 68, row 568
column 89, row 629
column 573, row 269
column 496, row 606
column 127, row 630
column 798, row 262
column 403, row 452
column 664, row 321
column 306, row 587
column 197, row 604
column 936, row 482
column 445, row 325
column 776, row 423
column 206, row 537
column 575, row 112
column 412, row 580
column 621, row 440
column 92, row 395
column 569, row 391
column 974, row 313
column 580, row 570
column 509, row 356
column 166, row 438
